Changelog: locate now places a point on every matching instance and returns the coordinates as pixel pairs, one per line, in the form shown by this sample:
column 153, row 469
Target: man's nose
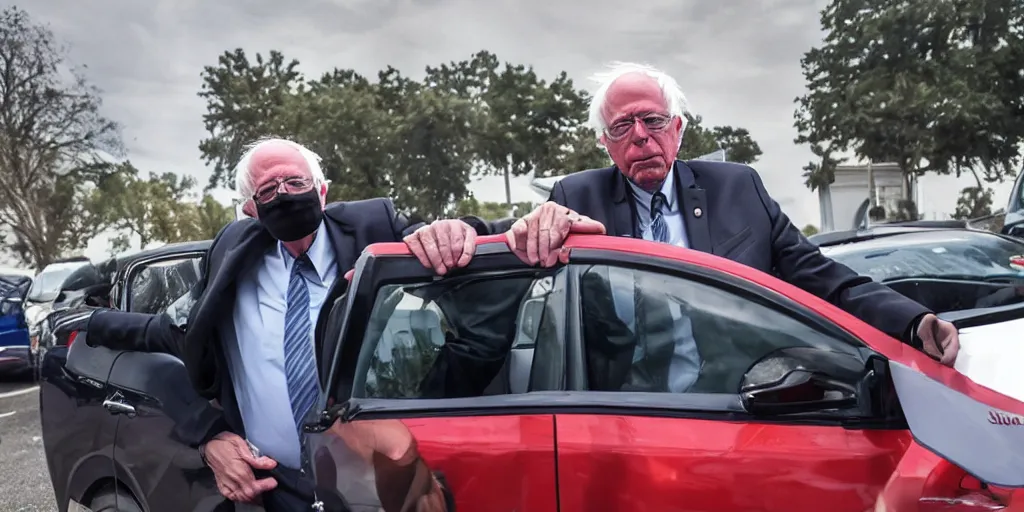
column 640, row 134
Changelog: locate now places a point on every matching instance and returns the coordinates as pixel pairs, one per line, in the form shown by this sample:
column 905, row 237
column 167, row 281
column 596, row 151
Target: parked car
column 46, row 288
column 96, row 285
column 102, row 452
column 14, row 342
column 797, row 404
column 973, row 278
column 1013, row 221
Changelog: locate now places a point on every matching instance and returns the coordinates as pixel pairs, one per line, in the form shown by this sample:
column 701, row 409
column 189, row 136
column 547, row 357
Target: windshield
column 940, row 254
column 47, row 284
column 945, row 270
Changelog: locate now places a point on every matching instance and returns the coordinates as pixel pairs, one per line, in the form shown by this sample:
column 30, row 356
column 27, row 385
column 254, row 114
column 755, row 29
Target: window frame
column 376, row 270
column 135, row 267
column 582, row 258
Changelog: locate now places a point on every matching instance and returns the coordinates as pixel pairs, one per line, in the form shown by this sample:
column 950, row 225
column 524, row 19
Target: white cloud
column 737, row 60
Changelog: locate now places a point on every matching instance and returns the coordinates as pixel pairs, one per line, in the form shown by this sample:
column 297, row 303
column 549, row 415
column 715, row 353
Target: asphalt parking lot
column 24, row 479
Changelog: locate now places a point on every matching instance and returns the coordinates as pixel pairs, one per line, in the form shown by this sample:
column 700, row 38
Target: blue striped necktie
column 659, row 230
column 299, row 358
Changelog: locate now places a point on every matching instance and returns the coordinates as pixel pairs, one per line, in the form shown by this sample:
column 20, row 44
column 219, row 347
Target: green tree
column 737, row 142
column 810, row 230
column 53, row 143
column 525, row 124
column 245, row 101
column 489, row 210
column 933, row 85
column 392, row 137
column 973, row 202
column 152, row 209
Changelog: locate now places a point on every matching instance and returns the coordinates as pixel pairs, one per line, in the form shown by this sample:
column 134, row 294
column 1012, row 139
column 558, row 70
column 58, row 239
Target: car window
column 452, row 338
column 652, row 332
column 164, row 287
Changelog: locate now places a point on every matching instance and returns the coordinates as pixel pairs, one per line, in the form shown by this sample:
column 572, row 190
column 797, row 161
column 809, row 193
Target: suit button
column 697, row 212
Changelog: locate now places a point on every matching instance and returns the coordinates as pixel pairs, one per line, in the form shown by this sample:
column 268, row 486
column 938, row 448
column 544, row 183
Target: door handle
column 116, row 406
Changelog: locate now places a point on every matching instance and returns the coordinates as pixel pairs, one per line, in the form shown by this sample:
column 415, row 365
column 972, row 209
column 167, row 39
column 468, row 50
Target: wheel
column 109, row 499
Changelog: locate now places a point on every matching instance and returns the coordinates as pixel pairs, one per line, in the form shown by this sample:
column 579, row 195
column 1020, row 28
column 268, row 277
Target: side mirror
column 803, row 379
column 1015, row 230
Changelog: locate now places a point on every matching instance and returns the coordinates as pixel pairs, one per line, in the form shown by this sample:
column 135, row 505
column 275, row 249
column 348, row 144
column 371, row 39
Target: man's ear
column 323, row 195
column 249, row 208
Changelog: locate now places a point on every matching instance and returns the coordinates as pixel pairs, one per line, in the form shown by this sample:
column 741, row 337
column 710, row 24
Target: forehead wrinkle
column 274, row 155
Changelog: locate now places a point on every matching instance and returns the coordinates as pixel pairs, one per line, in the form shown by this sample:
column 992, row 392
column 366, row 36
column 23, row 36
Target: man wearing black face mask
column 266, row 283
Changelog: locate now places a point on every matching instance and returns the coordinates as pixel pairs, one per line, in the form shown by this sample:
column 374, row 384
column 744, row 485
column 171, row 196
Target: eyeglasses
column 652, row 122
column 294, row 185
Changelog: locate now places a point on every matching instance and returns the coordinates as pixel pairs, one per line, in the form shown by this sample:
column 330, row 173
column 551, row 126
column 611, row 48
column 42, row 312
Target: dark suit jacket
column 351, row 227
column 738, row 220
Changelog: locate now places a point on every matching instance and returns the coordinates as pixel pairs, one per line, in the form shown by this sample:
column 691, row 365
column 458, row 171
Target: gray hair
column 244, row 184
column 674, row 97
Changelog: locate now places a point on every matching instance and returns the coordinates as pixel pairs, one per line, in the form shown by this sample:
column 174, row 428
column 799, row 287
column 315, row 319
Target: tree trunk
column 508, row 185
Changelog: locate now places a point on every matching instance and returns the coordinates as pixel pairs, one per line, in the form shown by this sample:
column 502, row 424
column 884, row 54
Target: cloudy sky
column 737, row 60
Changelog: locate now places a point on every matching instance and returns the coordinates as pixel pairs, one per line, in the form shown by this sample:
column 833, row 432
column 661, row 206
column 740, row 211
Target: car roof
column 884, row 230
column 911, row 237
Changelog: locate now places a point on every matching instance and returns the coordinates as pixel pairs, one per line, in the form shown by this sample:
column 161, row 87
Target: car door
column 157, row 408
column 418, row 373
column 793, row 405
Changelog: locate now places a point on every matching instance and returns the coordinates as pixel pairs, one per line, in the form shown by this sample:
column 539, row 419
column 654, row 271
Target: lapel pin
column 697, row 212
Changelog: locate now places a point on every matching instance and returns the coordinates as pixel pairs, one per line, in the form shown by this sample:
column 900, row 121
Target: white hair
column 244, row 184
column 675, row 100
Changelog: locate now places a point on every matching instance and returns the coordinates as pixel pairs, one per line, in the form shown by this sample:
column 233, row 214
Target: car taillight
column 951, row 489
column 71, row 338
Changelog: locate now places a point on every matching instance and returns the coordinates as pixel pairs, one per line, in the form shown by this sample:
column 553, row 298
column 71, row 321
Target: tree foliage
column 157, row 208
column 973, row 202
column 737, row 142
column 54, row 145
column 933, row 85
column 417, row 141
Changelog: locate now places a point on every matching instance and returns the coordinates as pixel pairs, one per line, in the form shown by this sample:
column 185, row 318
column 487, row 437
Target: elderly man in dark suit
column 639, row 114
column 265, row 286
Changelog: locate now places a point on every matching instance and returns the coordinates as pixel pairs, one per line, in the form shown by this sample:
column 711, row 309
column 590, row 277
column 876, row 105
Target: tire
column 109, row 499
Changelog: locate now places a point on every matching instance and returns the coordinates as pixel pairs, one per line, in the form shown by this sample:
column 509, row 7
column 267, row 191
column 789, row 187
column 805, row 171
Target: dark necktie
column 659, row 230
column 299, row 358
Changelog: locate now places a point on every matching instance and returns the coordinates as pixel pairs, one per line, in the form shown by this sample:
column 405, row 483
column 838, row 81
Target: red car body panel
column 507, row 462
column 627, row 463
column 667, row 464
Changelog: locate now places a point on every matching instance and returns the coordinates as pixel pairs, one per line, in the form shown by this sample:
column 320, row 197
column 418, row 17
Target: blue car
column 14, row 341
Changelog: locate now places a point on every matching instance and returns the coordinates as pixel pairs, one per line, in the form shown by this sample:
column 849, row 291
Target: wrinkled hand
column 941, row 339
column 443, row 245
column 232, row 463
column 537, row 237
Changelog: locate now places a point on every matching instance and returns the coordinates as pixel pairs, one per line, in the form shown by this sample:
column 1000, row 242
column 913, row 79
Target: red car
column 526, row 388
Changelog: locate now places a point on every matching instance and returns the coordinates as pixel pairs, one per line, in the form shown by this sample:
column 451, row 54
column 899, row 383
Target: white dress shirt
column 256, row 359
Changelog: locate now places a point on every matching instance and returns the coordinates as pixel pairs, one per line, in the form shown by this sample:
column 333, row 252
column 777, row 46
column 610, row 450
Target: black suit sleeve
column 122, row 330
column 799, row 262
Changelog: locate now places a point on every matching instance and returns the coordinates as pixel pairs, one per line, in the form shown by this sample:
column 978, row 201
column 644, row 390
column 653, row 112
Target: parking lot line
column 19, row 392
column 6, row 414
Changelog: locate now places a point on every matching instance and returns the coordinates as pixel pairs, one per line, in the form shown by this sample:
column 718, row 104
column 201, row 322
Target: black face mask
column 289, row 217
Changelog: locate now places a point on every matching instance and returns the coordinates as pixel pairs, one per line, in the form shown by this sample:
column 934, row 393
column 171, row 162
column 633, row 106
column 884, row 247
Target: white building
column 845, row 202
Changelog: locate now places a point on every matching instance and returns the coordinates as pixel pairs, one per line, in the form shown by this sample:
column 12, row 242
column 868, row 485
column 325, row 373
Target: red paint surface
column 629, row 463
column 493, row 463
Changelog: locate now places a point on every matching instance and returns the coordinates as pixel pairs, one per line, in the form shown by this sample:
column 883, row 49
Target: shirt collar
column 318, row 252
column 668, row 188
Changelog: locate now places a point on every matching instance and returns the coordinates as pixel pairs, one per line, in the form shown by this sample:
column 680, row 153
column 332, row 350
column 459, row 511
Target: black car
column 109, row 418
column 948, row 270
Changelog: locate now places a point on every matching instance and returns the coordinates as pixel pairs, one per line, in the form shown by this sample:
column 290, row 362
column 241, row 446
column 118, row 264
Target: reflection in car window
column 451, row 338
column 159, row 286
column 636, row 323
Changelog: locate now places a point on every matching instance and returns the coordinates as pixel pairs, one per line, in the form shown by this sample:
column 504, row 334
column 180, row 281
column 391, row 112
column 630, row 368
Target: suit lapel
column 343, row 239
column 252, row 243
column 623, row 221
column 693, row 207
